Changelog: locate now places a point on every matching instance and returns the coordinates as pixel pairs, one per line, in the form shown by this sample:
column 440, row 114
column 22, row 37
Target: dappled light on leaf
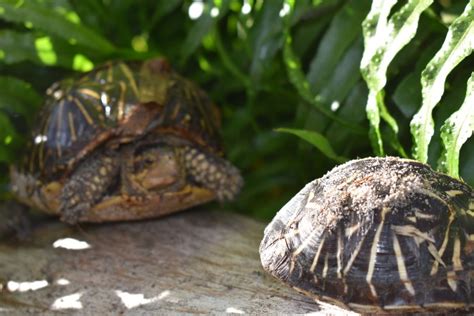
column 82, row 63
column 45, row 50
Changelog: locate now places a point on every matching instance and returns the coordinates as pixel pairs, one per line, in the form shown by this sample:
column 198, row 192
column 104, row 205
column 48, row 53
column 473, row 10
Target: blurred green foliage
column 267, row 64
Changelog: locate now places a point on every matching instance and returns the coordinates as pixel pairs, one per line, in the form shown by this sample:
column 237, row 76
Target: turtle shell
column 377, row 235
column 121, row 102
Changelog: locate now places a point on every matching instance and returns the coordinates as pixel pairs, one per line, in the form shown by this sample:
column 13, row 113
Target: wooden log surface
column 195, row 262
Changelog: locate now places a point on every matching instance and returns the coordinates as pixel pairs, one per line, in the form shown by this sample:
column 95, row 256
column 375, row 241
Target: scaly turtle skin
column 125, row 141
column 377, row 235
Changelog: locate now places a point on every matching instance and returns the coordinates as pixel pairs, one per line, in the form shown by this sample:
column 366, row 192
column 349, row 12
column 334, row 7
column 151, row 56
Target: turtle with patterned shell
column 125, row 141
column 378, row 235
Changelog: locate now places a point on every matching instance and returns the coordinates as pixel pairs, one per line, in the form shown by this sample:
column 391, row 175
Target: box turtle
column 377, row 235
column 125, row 141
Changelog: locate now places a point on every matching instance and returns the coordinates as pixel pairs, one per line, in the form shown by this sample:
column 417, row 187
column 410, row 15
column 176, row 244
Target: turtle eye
column 148, row 161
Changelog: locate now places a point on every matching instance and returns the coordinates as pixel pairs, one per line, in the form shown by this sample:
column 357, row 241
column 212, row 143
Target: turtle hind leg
column 213, row 172
column 88, row 184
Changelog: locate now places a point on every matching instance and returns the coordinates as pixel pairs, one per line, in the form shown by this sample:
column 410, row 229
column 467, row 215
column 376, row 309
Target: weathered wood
column 193, row 262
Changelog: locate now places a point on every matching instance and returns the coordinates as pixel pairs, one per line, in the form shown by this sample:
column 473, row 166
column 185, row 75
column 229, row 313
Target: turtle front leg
column 87, row 185
column 213, row 172
column 129, row 186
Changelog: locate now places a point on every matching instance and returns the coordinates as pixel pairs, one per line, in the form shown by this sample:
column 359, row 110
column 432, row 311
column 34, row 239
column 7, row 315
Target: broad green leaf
column 467, row 163
column 53, row 23
column 298, row 79
column 458, row 44
column 201, row 28
column 317, row 140
column 204, row 24
column 267, row 38
column 383, row 40
column 162, row 9
column 228, row 63
column 392, row 123
column 407, row 95
column 333, row 92
column 352, row 109
column 343, row 30
column 455, row 132
column 42, row 50
column 344, row 75
column 373, row 115
column 7, row 136
column 18, row 47
column 17, row 96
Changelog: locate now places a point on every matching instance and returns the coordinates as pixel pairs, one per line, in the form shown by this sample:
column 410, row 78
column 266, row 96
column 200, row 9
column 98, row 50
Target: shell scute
column 81, row 114
column 377, row 234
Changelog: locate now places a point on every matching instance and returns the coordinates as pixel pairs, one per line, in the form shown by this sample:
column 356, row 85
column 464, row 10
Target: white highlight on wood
column 71, row 244
column 68, row 302
column 134, row 300
column 402, row 270
column 14, row 286
column 233, row 310
column 62, row 282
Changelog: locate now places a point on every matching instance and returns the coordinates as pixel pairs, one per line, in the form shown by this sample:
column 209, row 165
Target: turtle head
column 170, row 168
column 157, row 168
column 156, row 78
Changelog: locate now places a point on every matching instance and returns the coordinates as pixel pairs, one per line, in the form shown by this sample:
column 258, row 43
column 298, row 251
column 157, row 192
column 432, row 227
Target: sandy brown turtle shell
column 124, row 141
column 377, row 235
